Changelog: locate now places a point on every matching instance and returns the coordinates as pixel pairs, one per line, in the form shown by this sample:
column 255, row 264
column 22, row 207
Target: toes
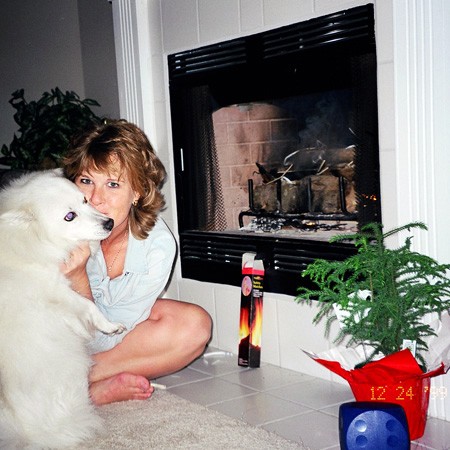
column 120, row 387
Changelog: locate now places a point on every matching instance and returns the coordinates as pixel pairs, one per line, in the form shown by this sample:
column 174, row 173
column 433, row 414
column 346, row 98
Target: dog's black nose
column 108, row 224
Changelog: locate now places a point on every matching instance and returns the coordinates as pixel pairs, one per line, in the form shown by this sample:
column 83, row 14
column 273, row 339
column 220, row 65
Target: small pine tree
column 404, row 286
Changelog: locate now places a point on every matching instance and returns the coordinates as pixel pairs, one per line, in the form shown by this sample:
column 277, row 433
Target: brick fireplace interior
column 259, row 150
column 275, row 140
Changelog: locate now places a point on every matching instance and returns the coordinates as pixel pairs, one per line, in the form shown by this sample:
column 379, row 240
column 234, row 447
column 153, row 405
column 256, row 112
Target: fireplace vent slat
column 211, row 57
column 290, row 262
column 294, row 45
column 295, row 260
column 211, row 255
column 219, row 250
column 349, row 26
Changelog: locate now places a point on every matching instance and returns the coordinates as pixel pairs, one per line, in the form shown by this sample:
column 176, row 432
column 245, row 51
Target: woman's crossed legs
column 173, row 336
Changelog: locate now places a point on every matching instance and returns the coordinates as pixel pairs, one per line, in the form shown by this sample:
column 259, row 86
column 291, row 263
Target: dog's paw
column 115, row 328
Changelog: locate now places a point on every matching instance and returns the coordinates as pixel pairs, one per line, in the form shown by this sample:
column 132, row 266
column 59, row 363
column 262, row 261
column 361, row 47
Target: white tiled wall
column 413, row 97
column 287, row 325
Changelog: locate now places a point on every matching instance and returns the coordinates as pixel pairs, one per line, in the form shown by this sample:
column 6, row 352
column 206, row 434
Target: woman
column 114, row 165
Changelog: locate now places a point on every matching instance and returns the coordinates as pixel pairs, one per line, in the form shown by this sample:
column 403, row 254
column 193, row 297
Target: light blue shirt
column 129, row 298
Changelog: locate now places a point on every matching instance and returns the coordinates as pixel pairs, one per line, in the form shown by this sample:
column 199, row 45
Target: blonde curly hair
column 112, row 142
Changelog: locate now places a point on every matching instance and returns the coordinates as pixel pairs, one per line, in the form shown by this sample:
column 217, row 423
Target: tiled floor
column 299, row 407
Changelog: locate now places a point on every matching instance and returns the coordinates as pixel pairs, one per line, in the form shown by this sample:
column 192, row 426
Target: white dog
column 44, row 324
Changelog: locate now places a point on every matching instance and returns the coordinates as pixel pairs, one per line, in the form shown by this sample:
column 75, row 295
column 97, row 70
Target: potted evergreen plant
column 381, row 294
column 382, row 298
column 45, row 128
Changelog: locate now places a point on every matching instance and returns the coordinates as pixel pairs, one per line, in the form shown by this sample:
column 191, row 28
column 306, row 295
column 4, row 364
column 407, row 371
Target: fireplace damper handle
column 342, row 195
column 279, row 196
column 309, row 194
column 250, row 195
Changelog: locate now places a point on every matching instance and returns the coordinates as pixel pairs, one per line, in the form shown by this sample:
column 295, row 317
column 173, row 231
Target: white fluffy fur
column 44, row 325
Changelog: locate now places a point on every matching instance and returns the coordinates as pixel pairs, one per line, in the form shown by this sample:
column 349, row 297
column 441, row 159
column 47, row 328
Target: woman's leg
column 173, row 336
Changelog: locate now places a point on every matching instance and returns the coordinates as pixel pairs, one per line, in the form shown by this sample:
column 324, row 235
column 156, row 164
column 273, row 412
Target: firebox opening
column 275, row 141
column 287, row 165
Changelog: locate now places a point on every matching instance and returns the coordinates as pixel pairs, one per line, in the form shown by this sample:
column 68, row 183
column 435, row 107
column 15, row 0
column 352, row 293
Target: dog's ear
column 58, row 171
column 19, row 217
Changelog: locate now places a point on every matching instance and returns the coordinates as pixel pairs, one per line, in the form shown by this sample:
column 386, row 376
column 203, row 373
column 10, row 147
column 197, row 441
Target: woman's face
column 109, row 193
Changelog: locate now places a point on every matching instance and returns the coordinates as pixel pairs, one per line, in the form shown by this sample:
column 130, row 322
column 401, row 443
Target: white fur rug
column 167, row 421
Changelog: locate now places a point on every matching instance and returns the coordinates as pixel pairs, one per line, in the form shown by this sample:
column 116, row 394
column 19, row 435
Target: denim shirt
column 129, row 298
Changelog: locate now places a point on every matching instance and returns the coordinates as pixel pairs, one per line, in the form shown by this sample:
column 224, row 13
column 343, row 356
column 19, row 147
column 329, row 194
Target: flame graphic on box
column 251, row 327
column 251, row 313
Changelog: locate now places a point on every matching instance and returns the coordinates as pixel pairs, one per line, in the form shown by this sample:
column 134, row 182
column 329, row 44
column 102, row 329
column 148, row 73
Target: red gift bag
column 396, row 378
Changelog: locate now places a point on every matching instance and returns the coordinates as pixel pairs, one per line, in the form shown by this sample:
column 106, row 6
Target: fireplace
column 275, row 139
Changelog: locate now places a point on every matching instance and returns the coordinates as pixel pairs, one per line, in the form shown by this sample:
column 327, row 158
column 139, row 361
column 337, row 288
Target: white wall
column 413, row 74
column 56, row 43
column 98, row 55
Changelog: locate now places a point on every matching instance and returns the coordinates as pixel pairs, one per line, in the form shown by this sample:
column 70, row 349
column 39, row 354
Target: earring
column 135, row 203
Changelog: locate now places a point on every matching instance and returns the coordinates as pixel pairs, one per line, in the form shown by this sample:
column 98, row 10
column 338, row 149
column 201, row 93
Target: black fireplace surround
column 336, row 51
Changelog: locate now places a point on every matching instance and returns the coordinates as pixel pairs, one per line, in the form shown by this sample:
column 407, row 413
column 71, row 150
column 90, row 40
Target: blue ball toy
column 373, row 426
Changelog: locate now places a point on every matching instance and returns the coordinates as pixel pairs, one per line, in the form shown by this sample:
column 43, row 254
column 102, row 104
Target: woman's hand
column 74, row 269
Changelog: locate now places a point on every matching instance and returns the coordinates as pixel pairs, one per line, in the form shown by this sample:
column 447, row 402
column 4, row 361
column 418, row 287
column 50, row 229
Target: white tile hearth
column 299, row 407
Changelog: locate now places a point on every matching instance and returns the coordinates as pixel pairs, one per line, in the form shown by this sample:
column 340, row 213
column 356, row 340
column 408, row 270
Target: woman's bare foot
column 120, row 387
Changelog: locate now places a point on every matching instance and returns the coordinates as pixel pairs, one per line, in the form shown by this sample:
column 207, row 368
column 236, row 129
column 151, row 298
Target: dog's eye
column 70, row 216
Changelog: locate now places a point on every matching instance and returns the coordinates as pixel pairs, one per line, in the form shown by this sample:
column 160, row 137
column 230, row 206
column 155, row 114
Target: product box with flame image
column 250, row 325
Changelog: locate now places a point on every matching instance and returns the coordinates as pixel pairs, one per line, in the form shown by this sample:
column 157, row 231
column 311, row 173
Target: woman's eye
column 70, row 216
column 85, row 181
column 113, row 184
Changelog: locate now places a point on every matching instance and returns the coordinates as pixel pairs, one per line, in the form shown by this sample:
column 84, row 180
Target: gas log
column 327, row 187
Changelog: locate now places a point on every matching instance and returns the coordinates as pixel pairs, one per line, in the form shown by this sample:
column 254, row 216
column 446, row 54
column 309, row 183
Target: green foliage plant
column 45, row 128
column 404, row 286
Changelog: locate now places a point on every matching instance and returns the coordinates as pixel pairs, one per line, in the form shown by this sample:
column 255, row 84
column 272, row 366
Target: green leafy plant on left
column 45, row 128
column 400, row 287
